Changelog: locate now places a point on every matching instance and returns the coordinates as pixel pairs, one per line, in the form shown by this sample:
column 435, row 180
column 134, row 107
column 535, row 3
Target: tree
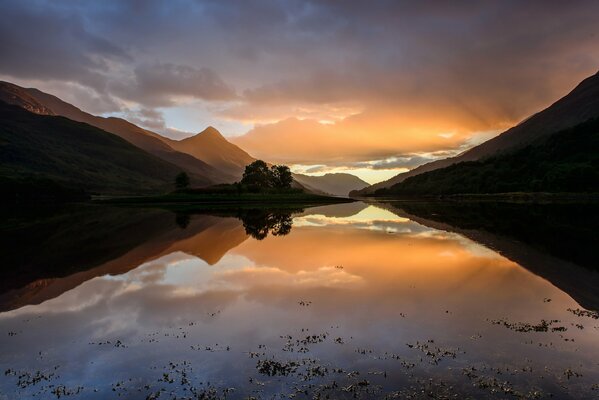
column 182, row 181
column 281, row 177
column 258, row 174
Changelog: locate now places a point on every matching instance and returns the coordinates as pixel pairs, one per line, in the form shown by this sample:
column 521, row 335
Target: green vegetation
column 258, row 177
column 567, row 161
column 54, row 158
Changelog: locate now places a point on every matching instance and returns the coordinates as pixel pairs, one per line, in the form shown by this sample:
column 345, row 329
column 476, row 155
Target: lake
column 382, row 300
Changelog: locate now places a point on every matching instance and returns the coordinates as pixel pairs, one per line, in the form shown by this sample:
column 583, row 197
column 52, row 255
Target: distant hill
column 567, row 161
column 578, row 106
column 42, row 153
column 211, row 147
column 42, row 103
column 338, row 184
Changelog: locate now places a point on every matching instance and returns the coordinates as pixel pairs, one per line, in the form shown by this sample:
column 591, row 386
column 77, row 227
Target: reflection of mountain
column 555, row 242
column 76, row 244
column 342, row 210
column 79, row 244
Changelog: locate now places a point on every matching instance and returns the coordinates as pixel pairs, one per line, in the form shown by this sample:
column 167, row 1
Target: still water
column 343, row 301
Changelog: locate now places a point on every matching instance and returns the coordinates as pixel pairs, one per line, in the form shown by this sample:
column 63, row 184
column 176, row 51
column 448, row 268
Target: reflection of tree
column 259, row 223
column 182, row 220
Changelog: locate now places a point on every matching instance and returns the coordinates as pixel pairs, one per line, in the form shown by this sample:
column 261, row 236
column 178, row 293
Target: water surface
column 341, row 301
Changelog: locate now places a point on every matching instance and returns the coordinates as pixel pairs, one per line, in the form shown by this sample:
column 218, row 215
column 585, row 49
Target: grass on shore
column 181, row 200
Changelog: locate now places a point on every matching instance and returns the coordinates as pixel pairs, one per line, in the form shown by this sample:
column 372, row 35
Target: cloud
column 147, row 117
column 408, row 161
column 161, row 83
column 369, row 136
column 45, row 42
column 153, row 119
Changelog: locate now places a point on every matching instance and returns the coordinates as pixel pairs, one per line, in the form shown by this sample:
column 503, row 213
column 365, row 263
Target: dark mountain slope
column 72, row 154
column 39, row 102
column 567, row 161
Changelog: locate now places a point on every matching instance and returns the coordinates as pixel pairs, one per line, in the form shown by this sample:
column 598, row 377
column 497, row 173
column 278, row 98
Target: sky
column 368, row 87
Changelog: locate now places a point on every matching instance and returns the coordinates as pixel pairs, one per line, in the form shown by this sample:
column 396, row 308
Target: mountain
column 567, row 161
column 578, row 106
column 338, row 184
column 43, row 155
column 42, row 103
column 211, row 147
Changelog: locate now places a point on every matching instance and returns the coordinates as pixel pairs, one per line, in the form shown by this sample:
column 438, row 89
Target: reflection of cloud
column 370, row 217
column 250, row 277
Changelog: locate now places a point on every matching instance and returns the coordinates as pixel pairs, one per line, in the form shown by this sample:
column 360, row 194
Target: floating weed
column 436, row 354
column 584, row 313
column 543, row 326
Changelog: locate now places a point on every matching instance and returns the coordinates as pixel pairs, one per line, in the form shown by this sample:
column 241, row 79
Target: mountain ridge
column 69, row 154
column 576, row 107
column 201, row 173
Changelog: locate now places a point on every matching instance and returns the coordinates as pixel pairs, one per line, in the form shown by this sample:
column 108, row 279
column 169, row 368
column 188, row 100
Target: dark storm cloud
column 40, row 41
column 157, row 84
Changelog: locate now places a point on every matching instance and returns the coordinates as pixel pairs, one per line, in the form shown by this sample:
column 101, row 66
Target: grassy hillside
column 38, row 153
column 567, row 161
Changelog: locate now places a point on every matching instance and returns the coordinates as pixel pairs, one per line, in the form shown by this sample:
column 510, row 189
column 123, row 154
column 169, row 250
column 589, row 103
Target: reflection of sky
column 373, row 289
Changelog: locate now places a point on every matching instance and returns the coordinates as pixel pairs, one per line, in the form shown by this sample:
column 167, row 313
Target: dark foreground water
column 344, row 301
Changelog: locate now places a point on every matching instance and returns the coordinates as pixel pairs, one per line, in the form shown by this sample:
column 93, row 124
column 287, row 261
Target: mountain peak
column 211, row 131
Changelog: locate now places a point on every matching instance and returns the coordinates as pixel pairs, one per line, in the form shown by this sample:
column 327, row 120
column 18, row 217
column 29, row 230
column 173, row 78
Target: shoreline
column 511, row 197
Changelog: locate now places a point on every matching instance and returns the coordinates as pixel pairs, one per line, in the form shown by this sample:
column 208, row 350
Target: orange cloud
column 370, row 135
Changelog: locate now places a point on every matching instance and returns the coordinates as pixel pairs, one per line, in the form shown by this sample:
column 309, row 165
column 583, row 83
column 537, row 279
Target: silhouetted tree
column 258, row 174
column 280, row 176
column 182, row 181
